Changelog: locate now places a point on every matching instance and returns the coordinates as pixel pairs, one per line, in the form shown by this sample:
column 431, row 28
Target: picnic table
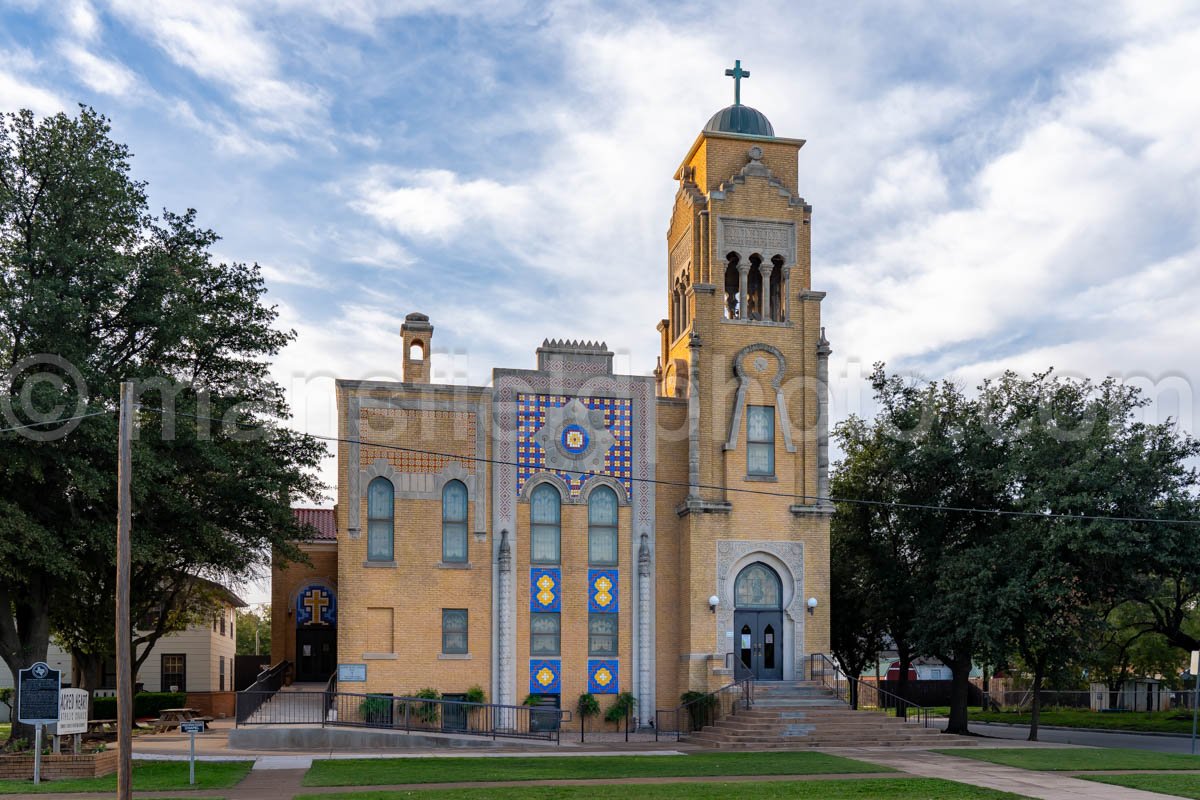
column 101, row 727
column 169, row 718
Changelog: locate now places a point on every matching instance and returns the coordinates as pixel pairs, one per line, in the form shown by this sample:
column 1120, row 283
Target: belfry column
column 504, row 636
column 743, row 289
column 786, row 293
column 764, row 273
column 693, row 413
column 645, row 701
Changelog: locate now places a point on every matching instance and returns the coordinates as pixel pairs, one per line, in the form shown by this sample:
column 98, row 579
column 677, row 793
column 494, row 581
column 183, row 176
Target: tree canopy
column 95, row 290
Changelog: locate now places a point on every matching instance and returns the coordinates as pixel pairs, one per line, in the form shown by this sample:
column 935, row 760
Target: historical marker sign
column 72, row 712
column 37, row 694
column 191, row 727
column 352, row 673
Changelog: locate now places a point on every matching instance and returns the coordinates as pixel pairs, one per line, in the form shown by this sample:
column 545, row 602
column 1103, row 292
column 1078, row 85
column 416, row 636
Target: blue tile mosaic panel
column 316, row 605
column 602, row 591
column 545, row 676
column 545, row 593
column 602, row 676
column 617, row 412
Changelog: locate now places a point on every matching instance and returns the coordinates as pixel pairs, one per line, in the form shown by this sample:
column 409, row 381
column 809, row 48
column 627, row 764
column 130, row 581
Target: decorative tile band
column 573, row 436
column 602, row 591
column 545, row 593
column 545, row 676
column 603, row 676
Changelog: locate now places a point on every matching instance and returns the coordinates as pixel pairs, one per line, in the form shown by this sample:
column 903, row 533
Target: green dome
column 738, row 118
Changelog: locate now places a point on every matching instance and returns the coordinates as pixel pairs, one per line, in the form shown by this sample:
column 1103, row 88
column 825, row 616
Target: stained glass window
column 454, row 630
column 545, row 517
column 757, row 586
column 602, row 526
column 380, row 520
column 454, row 522
column 602, row 634
column 760, row 438
column 544, row 630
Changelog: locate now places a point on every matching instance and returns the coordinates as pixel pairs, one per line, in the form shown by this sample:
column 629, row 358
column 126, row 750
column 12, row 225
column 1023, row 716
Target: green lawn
column 1077, row 758
column 148, row 776
column 865, row 789
column 382, row 772
column 1157, row 721
column 1179, row 785
column 5, row 729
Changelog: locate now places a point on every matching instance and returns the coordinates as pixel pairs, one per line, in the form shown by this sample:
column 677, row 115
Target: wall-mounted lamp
column 812, row 605
column 713, row 602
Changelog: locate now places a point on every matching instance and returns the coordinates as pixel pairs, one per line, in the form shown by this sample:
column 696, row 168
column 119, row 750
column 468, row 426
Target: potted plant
column 621, row 709
column 376, row 709
column 475, row 694
column 427, row 712
column 588, row 706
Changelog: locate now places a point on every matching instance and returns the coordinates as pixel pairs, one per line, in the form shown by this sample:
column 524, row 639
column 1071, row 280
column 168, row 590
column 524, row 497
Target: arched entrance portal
column 316, row 633
column 758, row 623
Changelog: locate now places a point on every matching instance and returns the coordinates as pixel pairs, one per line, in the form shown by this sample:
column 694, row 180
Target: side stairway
column 805, row 714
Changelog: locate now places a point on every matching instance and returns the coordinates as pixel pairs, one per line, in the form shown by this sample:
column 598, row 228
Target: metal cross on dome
column 737, row 73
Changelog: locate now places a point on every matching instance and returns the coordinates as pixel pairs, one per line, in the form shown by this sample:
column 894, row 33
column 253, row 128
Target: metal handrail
column 706, row 709
column 268, row 682
column 911, row 711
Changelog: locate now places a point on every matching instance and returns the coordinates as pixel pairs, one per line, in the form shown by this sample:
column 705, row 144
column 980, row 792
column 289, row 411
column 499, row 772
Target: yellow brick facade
column 691, row 517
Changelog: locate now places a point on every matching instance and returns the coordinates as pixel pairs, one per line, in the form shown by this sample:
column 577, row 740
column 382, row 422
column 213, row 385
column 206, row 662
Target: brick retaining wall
column 91, row 765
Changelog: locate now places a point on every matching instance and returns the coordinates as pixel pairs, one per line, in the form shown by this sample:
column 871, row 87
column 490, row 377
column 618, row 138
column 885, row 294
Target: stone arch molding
column 787, row 559
column 744, row 378
column 424, row 485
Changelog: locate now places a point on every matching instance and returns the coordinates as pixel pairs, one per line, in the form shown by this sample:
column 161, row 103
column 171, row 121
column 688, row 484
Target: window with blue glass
column 381, row 520
column 545, row 522
column 454, row 522
column 760, row 440
column 602, row 527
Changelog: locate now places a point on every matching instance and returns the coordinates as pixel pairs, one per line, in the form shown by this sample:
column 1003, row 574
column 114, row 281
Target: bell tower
column 742, row 345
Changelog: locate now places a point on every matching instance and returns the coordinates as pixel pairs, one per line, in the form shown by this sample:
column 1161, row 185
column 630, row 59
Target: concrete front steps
column 802, row 715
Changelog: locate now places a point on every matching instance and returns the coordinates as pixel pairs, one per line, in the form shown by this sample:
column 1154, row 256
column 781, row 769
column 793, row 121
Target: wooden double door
column 316, row 653
column 758, row 644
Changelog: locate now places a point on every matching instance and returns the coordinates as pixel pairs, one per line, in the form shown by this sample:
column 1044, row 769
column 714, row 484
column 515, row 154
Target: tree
column 254, row 632
column 95, row 290
column 857, row 632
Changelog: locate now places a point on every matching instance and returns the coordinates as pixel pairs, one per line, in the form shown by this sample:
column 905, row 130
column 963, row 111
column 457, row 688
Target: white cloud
column 99, row 74
column 16, row 90
column 80, row 18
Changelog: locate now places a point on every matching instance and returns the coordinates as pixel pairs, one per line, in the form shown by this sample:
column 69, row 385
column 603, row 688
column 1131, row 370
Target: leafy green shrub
column 588, row 705
column 476, row 694
column 622, row 708
column 145, row 704
column 427, row 712
column 376, row 710
column 701, row 708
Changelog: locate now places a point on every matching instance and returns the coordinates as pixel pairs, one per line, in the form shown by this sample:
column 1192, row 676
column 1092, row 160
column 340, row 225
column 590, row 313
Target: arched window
column 545, row 525
column 676, row 322
column 416, row 352
column 602, row 527
column 454, row 522
column 754, row 290
column 381, row 521
column 733, row 287
column 777, row 294
column 757, row 586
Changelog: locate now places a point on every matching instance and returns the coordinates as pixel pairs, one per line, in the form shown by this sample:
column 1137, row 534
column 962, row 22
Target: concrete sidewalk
column 1043, row 785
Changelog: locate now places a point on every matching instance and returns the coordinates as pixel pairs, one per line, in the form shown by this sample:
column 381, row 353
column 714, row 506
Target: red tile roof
column 321, row 520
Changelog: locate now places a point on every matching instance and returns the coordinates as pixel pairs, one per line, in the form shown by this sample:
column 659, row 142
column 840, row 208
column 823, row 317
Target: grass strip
column 382, row 772
column 1077, row 758
column 148, row 776
column 1139, row 721
column 858, row 789
column 1178, row 785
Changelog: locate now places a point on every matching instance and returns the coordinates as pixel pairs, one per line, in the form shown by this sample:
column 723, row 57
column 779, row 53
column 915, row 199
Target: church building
column 567, row 529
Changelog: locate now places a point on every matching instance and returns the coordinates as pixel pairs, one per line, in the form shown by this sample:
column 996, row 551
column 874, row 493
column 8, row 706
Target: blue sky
column 995, row 186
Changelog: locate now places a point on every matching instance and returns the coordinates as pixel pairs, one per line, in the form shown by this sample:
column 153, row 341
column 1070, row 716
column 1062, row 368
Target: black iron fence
column 407, row 714
column 862, row 694
column 703, row 710
column 266, row 685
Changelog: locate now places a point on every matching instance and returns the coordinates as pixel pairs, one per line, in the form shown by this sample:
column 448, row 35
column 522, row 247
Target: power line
column 55, row 421
column 762, row 492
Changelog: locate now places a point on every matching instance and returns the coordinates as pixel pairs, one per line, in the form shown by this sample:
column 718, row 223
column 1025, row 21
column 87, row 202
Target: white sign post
column 72, row 715
column 191, row 729
column 1195, row 670
column 37, row 704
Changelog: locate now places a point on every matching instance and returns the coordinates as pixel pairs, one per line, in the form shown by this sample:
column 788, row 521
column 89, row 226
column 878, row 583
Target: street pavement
column 1134, row 741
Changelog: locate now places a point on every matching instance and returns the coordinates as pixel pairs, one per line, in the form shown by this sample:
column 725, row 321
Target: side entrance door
column 759, row 654
column 316, row 653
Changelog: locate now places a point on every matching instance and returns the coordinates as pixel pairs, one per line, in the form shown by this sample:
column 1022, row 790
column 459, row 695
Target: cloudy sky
column 1014, row 185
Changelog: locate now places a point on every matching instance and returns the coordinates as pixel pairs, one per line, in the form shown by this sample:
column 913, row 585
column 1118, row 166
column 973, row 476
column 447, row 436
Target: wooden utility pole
column 124, row 635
